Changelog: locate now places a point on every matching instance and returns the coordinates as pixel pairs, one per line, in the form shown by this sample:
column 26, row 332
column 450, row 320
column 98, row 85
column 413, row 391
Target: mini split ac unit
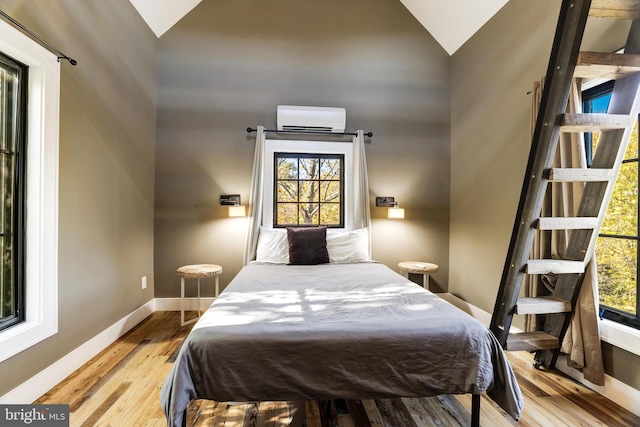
column 299, row 118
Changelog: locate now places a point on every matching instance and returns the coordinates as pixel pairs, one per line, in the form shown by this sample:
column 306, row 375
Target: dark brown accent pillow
column 307, row 245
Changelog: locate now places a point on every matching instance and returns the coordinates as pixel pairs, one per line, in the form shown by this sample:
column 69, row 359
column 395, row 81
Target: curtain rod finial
column 71, row 60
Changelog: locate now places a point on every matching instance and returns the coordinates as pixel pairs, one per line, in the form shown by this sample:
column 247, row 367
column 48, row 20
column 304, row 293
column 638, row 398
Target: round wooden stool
column 196, row 271
column 417, row 267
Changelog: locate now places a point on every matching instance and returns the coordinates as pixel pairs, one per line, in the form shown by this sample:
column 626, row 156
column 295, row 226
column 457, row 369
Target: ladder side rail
column 564, row 53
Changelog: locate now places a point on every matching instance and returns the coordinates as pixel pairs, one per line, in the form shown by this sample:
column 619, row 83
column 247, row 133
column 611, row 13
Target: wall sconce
column 394, row 211
column 233, row 201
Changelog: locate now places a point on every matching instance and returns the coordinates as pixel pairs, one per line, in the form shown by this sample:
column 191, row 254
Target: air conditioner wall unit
column 301, row 118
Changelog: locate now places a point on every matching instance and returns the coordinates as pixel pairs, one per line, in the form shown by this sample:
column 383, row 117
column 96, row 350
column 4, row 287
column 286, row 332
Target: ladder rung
column 623, row 9
column 542, row 305
column 600, row 65
column 554, row 266
column 579, row 174
column 594, row 122
column 568, row 223
column 529, row 341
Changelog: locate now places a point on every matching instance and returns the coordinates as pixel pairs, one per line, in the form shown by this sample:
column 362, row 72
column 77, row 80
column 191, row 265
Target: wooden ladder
column 566, row 63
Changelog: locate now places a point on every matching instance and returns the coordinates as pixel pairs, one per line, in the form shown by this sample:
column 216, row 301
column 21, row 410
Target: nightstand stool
column 417, row 267
column 196, row 271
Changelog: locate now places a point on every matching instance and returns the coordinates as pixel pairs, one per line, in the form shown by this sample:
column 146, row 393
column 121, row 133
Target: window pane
column 287, row 168
column 309, row 191
column 622, row 213
column 632, row 148
column 287, row 214
column 309, row 168
column 6, row 228
column 11, row 112
column 7, row 307
column 330, row 213
column 287, row 191
column 309, row 214
column 330, row 191
column 330, row 169
column 617, row 265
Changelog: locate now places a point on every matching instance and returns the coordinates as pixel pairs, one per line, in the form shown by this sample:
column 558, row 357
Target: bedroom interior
column 152, row 134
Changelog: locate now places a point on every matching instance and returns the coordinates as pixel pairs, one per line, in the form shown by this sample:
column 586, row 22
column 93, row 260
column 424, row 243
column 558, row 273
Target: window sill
column 621, row 336
column 18, row 338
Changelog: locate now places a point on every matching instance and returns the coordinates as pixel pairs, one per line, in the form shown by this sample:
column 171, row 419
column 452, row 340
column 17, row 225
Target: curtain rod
column 314, row 132
column 39, row 39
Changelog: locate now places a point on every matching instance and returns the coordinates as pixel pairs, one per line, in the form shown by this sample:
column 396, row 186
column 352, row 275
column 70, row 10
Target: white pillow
column 348, row 246
column 273, row 246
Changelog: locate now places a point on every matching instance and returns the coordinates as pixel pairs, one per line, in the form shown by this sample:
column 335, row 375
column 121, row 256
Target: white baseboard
column 173, row 304
column 472, row 310
column 613, row 389
column 46, row 379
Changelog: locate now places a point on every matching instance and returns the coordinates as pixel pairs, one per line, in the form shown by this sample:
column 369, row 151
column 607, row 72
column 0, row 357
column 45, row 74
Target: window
column 13, row 108
column 309, row 190
column 39, row 292
column 305, row 150
column 617, row 246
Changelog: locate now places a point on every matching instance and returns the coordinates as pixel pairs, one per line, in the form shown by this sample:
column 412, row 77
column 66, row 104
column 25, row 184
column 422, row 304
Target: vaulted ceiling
column 450, row 22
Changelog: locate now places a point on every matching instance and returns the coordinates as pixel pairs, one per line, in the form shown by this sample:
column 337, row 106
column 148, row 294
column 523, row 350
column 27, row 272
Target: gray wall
column 107, row 145
column 228, row 64
column 491, row 76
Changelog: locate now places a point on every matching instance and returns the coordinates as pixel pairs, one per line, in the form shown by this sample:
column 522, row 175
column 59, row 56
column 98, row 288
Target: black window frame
column 309, row 155
column 18, row 200
column 607, row 312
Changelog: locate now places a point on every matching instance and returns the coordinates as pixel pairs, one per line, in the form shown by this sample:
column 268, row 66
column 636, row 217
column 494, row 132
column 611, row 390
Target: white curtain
column 255, row 198
column 582, row 341
column 362, row 211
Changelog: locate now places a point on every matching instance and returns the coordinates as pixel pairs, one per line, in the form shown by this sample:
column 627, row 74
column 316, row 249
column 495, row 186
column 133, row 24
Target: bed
column 351, row 330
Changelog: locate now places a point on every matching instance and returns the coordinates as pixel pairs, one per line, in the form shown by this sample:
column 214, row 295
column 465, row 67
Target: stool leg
column 198, row 297
column 217, row 285
column 182, row 323
column 425, row 281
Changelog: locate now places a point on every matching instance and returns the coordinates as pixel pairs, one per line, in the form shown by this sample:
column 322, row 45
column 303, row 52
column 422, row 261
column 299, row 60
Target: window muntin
column 308, row 189
column 617, row 245
column 13, row 113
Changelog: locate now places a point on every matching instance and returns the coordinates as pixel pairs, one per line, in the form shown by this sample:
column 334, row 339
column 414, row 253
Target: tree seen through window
column 309, row 190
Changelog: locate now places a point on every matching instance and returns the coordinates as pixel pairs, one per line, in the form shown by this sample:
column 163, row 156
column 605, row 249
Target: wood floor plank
column 422, row 416
column 235, row 414
column 430, row 412
column 92, row 421
column 251, row 415
column 393, row 414
column 373, row 413
column 358, row 413
column 102, row 380
column 121, row 386
column 313, row 414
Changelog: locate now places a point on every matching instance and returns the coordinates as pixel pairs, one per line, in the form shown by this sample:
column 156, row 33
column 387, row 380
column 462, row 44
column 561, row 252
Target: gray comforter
column 353, row 331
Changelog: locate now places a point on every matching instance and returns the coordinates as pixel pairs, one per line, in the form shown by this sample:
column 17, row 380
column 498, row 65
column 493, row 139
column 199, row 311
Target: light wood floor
column 120, row 387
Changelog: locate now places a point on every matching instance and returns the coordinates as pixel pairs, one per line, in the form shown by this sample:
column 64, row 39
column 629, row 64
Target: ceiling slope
column 160, row 15
column 450, row 22
column 453, row 22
